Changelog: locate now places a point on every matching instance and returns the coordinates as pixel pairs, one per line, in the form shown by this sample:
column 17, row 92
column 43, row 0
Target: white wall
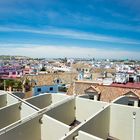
column 97, row 125
column 52, row 129
column 11, row 99
column 86, row 107
column 41, row 101
column 121, row 122
column 30, row 130
column 58, row 97
column 9, row 115
column 85, row 136
column 137, row 125
column 3, row 100
column 26, row 111
column 64, row 112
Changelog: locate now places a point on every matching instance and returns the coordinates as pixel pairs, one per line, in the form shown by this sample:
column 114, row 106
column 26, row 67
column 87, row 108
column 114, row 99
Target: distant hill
column 8, row 57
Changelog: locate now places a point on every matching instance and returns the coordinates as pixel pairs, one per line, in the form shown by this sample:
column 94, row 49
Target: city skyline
column 76, row 28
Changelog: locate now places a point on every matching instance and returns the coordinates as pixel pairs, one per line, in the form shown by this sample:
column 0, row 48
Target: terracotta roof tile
column 107, row 93
column 48, row 79
column 92, row 89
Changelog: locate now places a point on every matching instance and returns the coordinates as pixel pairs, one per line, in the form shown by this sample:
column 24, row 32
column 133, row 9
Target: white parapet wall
column 44, row 100
column 26, row 110
column 86, row 108
column 7, row 99
column 64, row 112
column 59, row 97
column 12, row 113
column 61, row 117
column 124, row 122
column 9, row 115
column 85, row 136
column 11, row 99
column 35, row 128
column 28, row 130
column 3, row 100
column 40, row 101
column 96, row 125
column 99, row 124
column 52, row 129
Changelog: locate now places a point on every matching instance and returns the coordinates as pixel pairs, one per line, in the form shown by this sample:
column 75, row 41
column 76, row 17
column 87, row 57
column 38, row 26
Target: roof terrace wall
column 9, row 115
column 7, row 99
column 85, row 136
column 124, row 122
column 28, row 130
column 40, row 101
column 3, row 100
column 45, row 100
column 96, row 125
column 12, row 113
column 64, row 112
column 86, row 108
column 51, row 129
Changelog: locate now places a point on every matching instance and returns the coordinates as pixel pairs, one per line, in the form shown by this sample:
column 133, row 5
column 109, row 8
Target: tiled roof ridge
column 133, row 91
column 94, row 88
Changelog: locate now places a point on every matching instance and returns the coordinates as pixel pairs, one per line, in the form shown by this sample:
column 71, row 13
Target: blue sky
column 70, row 28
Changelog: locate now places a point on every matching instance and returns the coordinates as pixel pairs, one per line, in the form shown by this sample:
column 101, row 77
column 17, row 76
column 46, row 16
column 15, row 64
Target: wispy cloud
column 74, row 34
column 100, row 21
column 67, row 17
column 63, row 51
column 134, row 5
column 119, row 26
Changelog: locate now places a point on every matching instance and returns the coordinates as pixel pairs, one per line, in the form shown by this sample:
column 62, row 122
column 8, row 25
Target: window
column 91, row 97
column 39, row 90
column 131, row 103
column 139, row 103
column 51, row 88
column 57, row 81
column 14, row 73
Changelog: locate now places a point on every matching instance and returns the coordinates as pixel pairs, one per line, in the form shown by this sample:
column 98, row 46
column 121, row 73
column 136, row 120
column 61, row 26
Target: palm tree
column 17, row 85
column 9, row 84
column 1, row 84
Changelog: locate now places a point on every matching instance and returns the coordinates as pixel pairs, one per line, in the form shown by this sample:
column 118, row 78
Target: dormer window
column 131, row 103
column 133, row 99
column 93, row 93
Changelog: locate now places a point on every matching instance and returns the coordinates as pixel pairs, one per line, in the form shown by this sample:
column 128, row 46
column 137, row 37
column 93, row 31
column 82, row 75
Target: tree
column 17, row 85
column 1, row 84
column 9, row 83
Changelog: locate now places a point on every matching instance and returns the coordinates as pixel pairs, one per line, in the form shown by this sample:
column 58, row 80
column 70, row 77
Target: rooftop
column 127, row 85
column 63, row 117
column 108, row 93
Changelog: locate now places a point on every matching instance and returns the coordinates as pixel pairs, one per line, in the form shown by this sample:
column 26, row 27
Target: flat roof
column 127, row 85
column 135, row 85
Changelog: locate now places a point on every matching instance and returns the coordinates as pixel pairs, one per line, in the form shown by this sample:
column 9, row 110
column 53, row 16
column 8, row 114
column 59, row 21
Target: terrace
column 58, row 116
